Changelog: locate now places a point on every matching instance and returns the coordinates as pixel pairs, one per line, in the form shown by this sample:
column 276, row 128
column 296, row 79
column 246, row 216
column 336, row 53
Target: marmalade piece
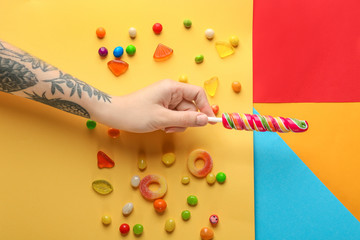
column 162, row 53
column 118, row 67
column 224, row 49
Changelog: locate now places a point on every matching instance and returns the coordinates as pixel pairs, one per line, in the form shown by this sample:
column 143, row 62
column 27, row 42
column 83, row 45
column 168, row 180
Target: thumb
column 184, row 119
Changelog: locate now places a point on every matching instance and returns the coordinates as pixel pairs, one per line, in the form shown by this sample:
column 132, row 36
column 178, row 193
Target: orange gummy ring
column 202, row 155
column 149, row 194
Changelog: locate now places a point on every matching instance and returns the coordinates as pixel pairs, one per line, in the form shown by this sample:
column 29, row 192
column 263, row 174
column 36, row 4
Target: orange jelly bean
column 100, row 32
column 236, row 86
column 160, row 205
column 206, row 233
column 113, row 132
column 215, row 108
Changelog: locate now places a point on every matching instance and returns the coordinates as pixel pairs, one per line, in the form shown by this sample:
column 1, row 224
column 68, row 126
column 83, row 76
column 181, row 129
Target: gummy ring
column 149, row 194
column 202, row 155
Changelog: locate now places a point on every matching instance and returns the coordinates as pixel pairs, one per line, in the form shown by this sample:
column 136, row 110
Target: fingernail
column 201, row 120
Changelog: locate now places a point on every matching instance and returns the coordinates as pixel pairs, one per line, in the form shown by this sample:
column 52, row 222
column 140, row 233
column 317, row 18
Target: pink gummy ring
column 145, row 184
column 199, row 154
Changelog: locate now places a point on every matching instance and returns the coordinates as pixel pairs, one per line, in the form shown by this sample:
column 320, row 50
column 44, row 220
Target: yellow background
column 48, row 158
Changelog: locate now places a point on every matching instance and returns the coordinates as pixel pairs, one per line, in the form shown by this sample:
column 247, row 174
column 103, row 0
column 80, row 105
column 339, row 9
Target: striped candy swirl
column 255, row 122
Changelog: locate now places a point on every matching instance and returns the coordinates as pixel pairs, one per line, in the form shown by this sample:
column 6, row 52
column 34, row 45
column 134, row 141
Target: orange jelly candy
column 206, row 233
column 104, row 161
column 162, row 53
column 118, row 67
column 113, row 132
column 160, row 205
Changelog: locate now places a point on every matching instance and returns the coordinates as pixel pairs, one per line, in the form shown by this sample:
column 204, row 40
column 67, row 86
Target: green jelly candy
column 185, row 215
column 102, row 187
column 90, row 124
column 221, row 177
column 138, row 229
column 199, row 58
column 187, row 23
column 192, row 200
column 131, row 49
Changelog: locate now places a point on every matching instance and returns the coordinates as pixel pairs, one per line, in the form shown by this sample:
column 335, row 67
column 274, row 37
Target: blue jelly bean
column 118, row 52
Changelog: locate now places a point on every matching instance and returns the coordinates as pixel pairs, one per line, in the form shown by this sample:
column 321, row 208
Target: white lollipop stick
column 214, row 119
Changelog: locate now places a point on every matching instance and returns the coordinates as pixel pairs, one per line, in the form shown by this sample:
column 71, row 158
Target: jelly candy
column 162, row 53
column 185, row 180
column 131, row 50
column 103, row 52
column 127, row 209
column 132, row 32
column 138, row 229
column 104, row 161
column 100, row 32
column 113, row 132
column 236, row 86
column 168, row 159
column 210, row 178
column 90, row 124
column 215, row 108
column 221, row 177
column 211, row 86
column 199, row 154
column 160, row 205
column 192, row 200
column 157, row 28
column 102, row 187
column 118, row 52
column 206, row 233
column 135, row 181
column 106, row 220
column 124, row 228
column 170, row 225
column 234, row 41
column 149, row 194
column 183, row 78
column 187, row 23
column 185, row 215
column 209, row 33
column 199, row 58
column 142, row 164
column 224, row 49
column 214, row 219
column 118, row 67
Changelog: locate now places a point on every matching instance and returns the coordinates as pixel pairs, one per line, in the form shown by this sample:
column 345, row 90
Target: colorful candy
column 103, row 52
column 132, row 32
column 142, row 163
column 131, row 50
column 124, row 228
column 206, row 233
column 157, row 28
column 104, row 161
column 106, row 220
column 209, row 33
column 224, row 49
column 135, row 181
column 185, row 215
column 187, row 23
column 183, row 79
column 214, row 219
column 192, row 200
column 220, row 177
column 256, row 122
column 236, row 86
column 160, row 205
column 149, row 194
column 185, row 180
column 100, row 32
column 138, row 229
column 168, row 159
column 211, row 86
column 102, row 187
column 162, row 53
column 211, row 178
column 170, row 225
column 234, row 41
column 118, row 67
column 90, row 124
column 113, row 132
column 127, row 209
column 215, row 108
column 118, row 52
column 200, row 154
column 199, row 58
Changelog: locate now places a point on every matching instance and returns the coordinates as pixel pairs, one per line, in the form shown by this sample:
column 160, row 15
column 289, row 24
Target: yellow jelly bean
column 211, row 178
column 183, row 78
column 234, row 41
column 168, row 159
column 142, row 164
column 185, row 180
column 211, row 86
column 170, row 225
column 106, row 220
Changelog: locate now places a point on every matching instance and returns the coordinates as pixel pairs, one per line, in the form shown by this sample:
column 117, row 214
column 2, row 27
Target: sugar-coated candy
column 127, row 209
column 132, row 32
column 90, row 124
column 124, row 228
column 234, row 41
column 102, row 187
column 135, row 181
column 185, row 215
column 131, row 50
column 209, row 33
column 100, row 32
column 236, row 86
column 142, row 163
column 185, row 180
column 106, row 220
column 162, row 53
column 199, row 154
column 215, row 108
column 224, row 49
column 118, row 51
column 157, row 28
column 170, row 225
column 149, row 194
column 138, row 229
column 211, row 86
column 168, row 159
column 160, row 205
column 192, row 200
column 220, row 177
column 214, row 219
column 113, row 132
column 211, row 178
column 103, row 52
column 199, row 58
column 118, row 67
column 104, row 161
column 187, row 23
column 206, row 233
column 183, row 79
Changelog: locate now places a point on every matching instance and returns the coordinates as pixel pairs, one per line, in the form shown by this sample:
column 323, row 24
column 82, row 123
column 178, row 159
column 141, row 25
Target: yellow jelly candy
column 142, row 164
column 106, row 220
column 168, row 159
column 211, row 178
column 234, row 41
column 183, row 78
column 102, row 187
column 211, row 86
column 224, row 49
column 185, row 180
column 170, row 225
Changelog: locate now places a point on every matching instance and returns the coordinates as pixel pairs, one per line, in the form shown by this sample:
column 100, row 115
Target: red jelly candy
column 215, row 108
column 113, row 132
column 104, row 161
column 124, row 228
column 157, row 28
column 162, row 53
column 118, row 67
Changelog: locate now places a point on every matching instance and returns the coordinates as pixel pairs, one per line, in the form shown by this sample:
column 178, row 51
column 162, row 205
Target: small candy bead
column 214, row 219
column 168, row 159
column 185, row 215
column 135, row 181
column 130, row 50
column 160, row 205
column 124, row 228
column 221, row 177
column 199, row 58
column 132, row 32
column 236, row 86
column 103, row 52
column 90, row 124
column 142, row 164
column 206, row 233
column 127, row 209
column 209, row 33
column 170, row 225
column 113, row 132
column 192, row 200
column 138, row 229
column 106, row 220
column 157, row 28
column 185, row 180
column 100, row 32
column 187, row 23
column 234, row 41
column 215, row 108
column 211, row 178
column 183, row 78
column 118, row 52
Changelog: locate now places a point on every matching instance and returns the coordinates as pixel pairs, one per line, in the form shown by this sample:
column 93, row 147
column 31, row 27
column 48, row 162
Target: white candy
column 132, row 32
column 127, row 209
column 135, row 181
column 209, row 33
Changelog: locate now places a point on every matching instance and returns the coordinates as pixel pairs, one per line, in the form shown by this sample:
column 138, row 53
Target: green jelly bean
column 138, row 229
column 187, row 23
column 131, row 49
column 221, row 177
column 90, row 124
column 186, row 215
column 199, row 58
column 192, row 200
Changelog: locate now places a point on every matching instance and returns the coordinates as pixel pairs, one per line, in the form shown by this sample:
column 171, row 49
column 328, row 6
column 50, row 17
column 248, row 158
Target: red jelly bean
column 104, row 161
column 215, row 108
column 113, row 132
column 124, row 228
column 157, row 28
